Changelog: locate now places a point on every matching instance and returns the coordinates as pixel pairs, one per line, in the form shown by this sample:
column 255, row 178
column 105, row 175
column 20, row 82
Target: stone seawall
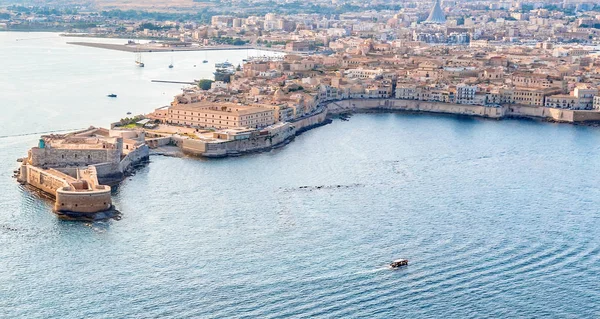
column 304, row 124
column 254, row 144
column 236, row 147
column 210, row 148
column 140, row 154
column 358, row 105
column 513, row 111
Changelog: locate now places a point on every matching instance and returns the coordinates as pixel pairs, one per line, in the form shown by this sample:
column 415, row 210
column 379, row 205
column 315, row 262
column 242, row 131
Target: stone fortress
column 75, row 168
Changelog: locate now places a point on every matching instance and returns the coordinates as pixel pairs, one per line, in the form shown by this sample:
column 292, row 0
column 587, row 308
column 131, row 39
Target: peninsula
column 494, row 62
column 270, row 100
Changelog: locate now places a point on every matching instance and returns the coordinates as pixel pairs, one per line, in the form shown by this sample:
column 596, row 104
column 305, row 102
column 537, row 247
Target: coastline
column 269, row 139
column 333, row 109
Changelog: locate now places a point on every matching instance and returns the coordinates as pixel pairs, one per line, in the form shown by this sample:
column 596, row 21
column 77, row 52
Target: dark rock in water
column 111, row 213
column 324, row 187
column 8, row 228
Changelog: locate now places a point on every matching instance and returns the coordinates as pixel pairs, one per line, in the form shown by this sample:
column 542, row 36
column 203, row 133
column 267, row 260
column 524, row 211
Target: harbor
column 489, row 212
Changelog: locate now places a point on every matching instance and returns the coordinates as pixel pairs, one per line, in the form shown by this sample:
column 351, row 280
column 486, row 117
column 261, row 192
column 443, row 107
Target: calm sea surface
column 499, row 219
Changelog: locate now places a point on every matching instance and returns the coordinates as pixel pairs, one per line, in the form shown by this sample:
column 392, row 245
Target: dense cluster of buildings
column 448, row 22
column 266, row 91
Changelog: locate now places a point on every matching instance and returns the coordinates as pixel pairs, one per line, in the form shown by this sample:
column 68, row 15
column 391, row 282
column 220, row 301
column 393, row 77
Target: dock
column 174, row 82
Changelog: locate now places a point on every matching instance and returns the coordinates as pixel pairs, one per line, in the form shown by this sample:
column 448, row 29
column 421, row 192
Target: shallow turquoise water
column 498, row 219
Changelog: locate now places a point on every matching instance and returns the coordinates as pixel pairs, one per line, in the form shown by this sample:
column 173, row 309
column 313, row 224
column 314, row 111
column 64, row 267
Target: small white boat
column 399, row 263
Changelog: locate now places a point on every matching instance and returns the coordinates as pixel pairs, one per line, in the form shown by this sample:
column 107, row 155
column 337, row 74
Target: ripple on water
column 491, row 222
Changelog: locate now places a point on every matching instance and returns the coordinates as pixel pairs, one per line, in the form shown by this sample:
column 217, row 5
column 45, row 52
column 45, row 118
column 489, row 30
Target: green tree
column 205, row 84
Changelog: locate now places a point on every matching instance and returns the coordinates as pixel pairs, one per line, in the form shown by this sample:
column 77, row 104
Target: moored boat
column 224, row 65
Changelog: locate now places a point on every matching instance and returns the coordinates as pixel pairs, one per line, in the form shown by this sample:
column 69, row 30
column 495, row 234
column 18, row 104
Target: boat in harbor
column 112, row 95
column 398, row 263
column 138, row 60
column 224, row 65
column 205, row 61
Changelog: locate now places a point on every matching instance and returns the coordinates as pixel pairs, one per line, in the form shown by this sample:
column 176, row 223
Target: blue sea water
column 499, row 219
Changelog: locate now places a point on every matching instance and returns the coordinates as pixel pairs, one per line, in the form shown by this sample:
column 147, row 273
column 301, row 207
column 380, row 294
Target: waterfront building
column 363, row 73
column 582, row 98
column 529, row 96
column 535, row 80
column 465, row 94
column 220, row 115
column 597, row 103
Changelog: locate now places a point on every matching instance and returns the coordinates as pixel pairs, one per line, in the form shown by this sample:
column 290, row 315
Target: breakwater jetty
column 166, row 47
column 174, row 82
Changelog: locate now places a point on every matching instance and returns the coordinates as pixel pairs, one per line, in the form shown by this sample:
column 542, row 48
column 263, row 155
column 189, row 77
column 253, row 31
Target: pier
column 159, row 47
column 174, row 82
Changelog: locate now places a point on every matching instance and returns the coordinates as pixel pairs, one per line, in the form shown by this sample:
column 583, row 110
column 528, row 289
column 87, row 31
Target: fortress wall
column 95, row 200
column 43, row 180
column 201, row 148
column 102, row 170
column 178, row 140
column 108, row 170
column 158, row 142
column 193, row 147
column 54, row 182
column 71, row 157
column 139, row 154
column 83, row 202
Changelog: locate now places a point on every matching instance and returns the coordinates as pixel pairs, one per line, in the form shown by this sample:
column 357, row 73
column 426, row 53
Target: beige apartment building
column 536, row 81
column 221, row 116
column 527, row 96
